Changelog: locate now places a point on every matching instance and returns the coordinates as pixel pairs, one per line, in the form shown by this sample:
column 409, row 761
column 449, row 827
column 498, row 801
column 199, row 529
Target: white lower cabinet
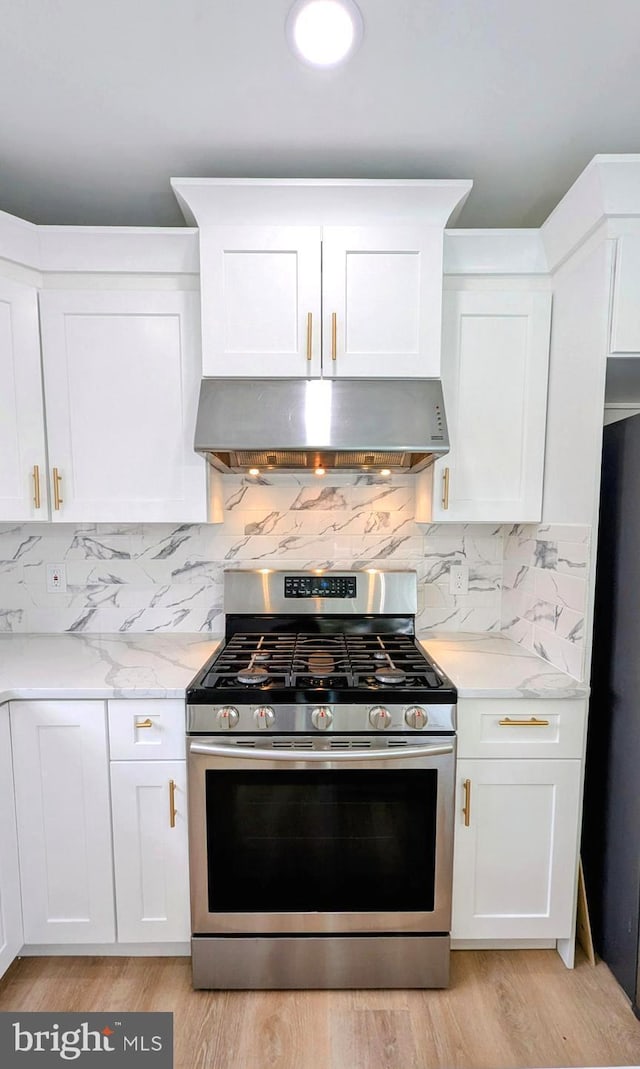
column 11, row 939
column 63, row 818
column 149, row 800
column 516, row 845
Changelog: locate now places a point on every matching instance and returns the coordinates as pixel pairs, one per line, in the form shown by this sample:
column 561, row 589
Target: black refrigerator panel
column 611, row 826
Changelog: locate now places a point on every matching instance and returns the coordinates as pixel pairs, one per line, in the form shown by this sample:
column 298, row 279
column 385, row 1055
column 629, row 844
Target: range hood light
column 320, row 471
column 254, row 471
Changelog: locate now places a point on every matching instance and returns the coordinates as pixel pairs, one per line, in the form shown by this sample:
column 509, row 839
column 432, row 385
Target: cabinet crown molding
column 608, row 187
column 317, row 202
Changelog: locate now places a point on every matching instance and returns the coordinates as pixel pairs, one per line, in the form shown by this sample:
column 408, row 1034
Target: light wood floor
column 504, row 1010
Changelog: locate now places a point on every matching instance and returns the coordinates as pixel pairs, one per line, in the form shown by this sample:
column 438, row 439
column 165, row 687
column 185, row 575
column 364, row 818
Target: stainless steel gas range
column 321, row 743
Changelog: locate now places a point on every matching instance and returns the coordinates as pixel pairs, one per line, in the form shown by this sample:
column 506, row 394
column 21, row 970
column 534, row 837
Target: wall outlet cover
column 56, row 579
column 458, row 579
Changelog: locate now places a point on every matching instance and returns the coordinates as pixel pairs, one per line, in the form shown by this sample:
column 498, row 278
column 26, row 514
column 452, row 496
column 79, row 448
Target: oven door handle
column 400, row 753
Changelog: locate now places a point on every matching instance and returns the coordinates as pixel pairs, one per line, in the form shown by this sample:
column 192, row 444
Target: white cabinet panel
column 150, row 850
column 295, row 301
column 384, row 287
column 494, row 373
column 515, row 863
column 260, row 285
column 122, row 374
column 146, row 729
column 63, row 818
column 10, row 909
column 625, row 314
column 522, row 728
column 22, row 445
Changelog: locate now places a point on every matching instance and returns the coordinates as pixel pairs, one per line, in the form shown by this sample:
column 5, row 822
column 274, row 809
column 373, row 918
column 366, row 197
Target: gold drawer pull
column 466, row 809
column 445, row 488
column 36, row 486
column 334, row 336
column 533, row 722
column 172, row 804
column 309, row 335
column 57, row 483
column 148, row 723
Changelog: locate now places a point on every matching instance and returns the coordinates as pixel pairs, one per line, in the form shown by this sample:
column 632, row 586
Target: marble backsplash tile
column 155, row 577
column 545, row 590
column 526, row 580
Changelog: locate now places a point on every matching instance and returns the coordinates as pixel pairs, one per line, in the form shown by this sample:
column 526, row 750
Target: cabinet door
column 515, row 862
column 494, row 372
column 260, row 300
column 625, row 312
column 10, row 911
column 22, row 448
column 381, row 301
column 150, row 850
column 143, row 729
column 64, row 829
column 121, row 377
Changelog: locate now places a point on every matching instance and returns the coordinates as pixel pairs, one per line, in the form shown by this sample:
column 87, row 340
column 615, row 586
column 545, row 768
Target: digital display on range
column 319, row 586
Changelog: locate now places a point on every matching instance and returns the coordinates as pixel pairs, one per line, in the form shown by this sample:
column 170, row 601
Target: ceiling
column 102, row 102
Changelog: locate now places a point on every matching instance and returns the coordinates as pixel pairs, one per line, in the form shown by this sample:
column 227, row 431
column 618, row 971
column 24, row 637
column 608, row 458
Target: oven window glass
column 331, row 841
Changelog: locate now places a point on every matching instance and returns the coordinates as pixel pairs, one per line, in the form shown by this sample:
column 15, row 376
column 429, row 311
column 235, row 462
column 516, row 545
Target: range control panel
column 319, row 586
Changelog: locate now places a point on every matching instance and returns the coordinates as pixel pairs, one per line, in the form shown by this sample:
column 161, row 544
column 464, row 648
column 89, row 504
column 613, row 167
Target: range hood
column 296, row 425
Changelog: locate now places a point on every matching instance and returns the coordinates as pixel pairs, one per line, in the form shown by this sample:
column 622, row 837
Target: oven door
column 355, row 839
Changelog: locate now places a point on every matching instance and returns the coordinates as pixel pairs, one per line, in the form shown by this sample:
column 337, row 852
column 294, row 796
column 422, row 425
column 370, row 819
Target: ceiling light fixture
column 324, row 32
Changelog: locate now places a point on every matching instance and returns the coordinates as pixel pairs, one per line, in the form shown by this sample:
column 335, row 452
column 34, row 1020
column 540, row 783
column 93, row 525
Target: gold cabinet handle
column 532, row 722
column 309, row 335
column 57, row 483
column 172, row 803
column 334, row 336
column 36, row 485
column 148, row 723
column 445, row 488
column 466, row 809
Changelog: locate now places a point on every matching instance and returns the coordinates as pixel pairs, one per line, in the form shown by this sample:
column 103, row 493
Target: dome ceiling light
column 323, row 33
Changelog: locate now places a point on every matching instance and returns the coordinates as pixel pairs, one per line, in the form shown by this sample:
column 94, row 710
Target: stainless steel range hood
column 289, row 425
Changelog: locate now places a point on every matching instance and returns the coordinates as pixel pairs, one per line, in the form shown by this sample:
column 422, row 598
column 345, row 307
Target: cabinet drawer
column 147, row 729
column 520, row 728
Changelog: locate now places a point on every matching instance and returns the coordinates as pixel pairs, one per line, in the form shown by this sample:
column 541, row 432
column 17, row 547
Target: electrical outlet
column 458, row 579
column 56, row 579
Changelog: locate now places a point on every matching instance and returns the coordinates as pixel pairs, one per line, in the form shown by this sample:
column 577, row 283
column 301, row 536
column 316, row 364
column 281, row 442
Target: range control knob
column 416, row 717
column 322, row 717
column 264, row 717
column 379, row 717
column 227, row 717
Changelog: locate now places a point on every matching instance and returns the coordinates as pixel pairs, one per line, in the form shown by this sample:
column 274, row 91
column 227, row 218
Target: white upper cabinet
column 291, row 301
column 320, row 277
column 121, row 377
column 381, row 301
column 23, row 484
column 494, row 373
column 261, row 300
column 625, row 312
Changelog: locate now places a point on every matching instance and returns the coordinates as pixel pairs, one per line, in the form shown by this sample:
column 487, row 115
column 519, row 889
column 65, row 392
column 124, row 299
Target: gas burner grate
column 261, row 662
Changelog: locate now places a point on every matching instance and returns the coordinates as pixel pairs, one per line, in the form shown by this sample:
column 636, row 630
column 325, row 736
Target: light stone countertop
column 140, row 665
column 488, row 665
column 162, row 664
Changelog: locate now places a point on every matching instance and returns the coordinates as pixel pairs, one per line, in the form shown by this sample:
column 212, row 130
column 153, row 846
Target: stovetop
column 306, row 666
